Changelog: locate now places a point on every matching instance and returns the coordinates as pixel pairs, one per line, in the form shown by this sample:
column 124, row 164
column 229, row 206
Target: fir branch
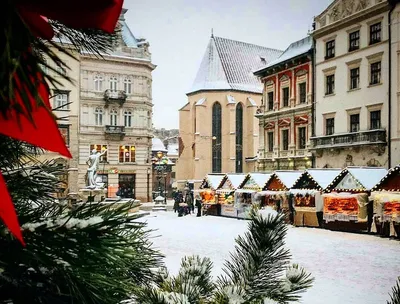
column 395, row 296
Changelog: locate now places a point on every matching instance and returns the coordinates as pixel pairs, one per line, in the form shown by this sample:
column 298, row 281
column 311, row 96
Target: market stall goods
column 207, row 193
column 345, row 207
column 226, row 193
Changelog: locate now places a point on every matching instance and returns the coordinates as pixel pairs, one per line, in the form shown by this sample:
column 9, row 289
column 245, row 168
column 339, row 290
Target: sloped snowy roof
column 367, row 176
column 236, row 179
column 231, row 99
column 260, row 178
column 127, row 35
column 214, row 180
column 173, row 150
column 229, row 64
column 157, row 145
column 252, row 102
column 201, row 101
column 288, row 178
column 324, row 177
column 295, row 49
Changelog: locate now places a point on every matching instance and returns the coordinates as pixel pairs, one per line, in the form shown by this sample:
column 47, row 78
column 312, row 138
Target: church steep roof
column 229, row 65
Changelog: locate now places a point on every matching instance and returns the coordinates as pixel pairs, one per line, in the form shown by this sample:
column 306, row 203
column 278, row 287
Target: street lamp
column 161, row 169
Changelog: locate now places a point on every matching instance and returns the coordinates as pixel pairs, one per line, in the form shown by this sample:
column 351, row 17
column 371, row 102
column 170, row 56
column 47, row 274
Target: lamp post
column 161, row 169
column 148, row 184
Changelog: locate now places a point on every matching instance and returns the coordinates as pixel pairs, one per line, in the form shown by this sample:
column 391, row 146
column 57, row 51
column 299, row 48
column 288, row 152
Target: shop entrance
column 103, row 178
column 127, row 185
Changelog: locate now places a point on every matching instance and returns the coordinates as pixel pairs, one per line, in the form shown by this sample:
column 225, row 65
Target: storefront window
column 126, row 185
column 127, row 154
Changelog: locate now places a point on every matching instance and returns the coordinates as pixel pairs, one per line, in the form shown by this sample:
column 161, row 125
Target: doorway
column 127, row 185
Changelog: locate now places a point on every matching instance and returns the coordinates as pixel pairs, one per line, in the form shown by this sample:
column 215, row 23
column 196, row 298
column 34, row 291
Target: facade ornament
column 93, row 163
column 334, row 15
column 348, row 8
column 363, row 4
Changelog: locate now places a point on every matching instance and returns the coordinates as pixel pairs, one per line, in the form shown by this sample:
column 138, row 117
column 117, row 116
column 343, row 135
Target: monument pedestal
column 92, row 195
column 159, row 204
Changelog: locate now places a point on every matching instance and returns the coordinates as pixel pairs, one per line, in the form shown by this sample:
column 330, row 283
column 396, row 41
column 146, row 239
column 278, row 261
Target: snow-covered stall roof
column 323, row 177
column 359, row 178
column 236, row 179
column 389, row 182
column 255, row 180
column 288, row 178
column 229, row 64
column 212, row 181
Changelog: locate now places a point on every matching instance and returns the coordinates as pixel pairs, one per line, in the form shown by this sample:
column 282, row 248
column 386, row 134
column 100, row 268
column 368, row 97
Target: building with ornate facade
column 218, row 129
column 285, row 115
column 116, row 114
column 351, row 91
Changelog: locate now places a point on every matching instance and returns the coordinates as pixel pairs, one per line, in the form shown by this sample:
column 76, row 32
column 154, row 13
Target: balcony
column 372, row 137
column 115, row 132
column 115, row 96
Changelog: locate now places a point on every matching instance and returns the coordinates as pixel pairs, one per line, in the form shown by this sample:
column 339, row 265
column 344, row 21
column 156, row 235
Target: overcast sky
column 179, row 31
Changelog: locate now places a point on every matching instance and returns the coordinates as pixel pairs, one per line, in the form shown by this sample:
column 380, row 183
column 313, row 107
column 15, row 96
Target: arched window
column 98, row 83
column 113, row 83
column 128, row 118
column 239, row 138
column 216, row 138
column 113, row 117
column 98, row 116
column 128, row 85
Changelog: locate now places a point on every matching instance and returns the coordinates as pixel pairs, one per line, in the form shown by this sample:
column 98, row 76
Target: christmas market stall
column 208, row 195
column 245, row 196
column 386, row 198
column 226, row 193
column 276, row 191
column 306, row 196
column 346, row 203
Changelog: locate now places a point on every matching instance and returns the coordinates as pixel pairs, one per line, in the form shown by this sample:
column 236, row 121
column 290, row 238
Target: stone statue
column 93, row 163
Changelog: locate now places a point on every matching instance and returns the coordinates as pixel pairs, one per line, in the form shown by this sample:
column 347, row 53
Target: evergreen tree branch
column 395, row 296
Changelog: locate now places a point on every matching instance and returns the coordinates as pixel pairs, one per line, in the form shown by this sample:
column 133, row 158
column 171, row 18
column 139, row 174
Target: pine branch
column 395, row 296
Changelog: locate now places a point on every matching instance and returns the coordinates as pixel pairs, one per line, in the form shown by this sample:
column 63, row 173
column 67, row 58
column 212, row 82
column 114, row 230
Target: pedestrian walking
column 198, row 205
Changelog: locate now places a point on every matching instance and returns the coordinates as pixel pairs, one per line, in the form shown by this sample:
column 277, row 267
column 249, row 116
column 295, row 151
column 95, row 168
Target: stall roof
column 323, row 177
column 212, row 180
column 260, row 179
column 356, row 178
column 390, row 182
column 236, row 179
column 288, row 178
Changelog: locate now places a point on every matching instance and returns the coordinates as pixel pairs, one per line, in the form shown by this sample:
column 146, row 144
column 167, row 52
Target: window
column 100, row 149
column 329, row 126
column 330, row 49
column 61, row 100
column 285, row 140
column 216, row 138
column 127, row 154
column 128, row 85
column 98, row 83
column 98, row 116
column 354, row 78
column 354, row 122
column 330, row 84
column 270, row 141
column 270, row 101
column 302, row 137
column 354, row 41
column 303, row 92
column 375, row 31
column 113, row 83
column 113, row 117
column 285, row 95
column 239, row 138
column 375, row 120
column 128, row 118
column 375, row 73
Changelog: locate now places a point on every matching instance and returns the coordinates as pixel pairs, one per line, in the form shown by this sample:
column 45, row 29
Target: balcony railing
column 115, row 130
column 115, row 96
column 350, row 139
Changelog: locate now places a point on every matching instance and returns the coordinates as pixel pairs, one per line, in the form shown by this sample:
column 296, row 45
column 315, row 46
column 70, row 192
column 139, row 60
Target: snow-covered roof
column 157, row 145
column 173, row 150
column 214, row 180
column 368, row 176
column 295, row 49
column 229, row 64
column 201, row 101
column 252, row 102
column 260, row 179
column 231, row 99
column 288, row 178
column 127, row 36
column 390, row 174
column 323, row 177
column 236, row 179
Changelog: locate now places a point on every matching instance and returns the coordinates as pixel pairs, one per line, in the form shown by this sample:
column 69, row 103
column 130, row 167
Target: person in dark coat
column 198, row 205
column 189, row 202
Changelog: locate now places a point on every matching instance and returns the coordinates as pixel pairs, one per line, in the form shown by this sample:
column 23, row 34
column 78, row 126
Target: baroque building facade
column 116, row 115
column 218, row 129
column 285, row 116
column 351, row 92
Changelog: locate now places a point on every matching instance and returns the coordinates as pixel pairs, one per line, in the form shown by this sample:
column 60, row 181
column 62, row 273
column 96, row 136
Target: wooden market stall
column 306, row 195
column 346, row 203
column 276, row 191
column 386, row 198
column 207, row 192
column 226, row 193
column 245, row 195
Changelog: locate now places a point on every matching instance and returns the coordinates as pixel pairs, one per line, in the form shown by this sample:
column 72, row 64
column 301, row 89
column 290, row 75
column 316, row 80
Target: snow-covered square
column 348, row 268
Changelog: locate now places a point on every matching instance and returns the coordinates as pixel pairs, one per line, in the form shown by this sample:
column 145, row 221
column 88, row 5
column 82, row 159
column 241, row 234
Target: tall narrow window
column 127, row 154
column 113, row 117
column 375, row 73
column 375, row 120
column 330, row 49
column 270, row 141
column 303, row 92
column 354, row 78
column 61, row 100
column 302, row 137
column 375, row 31
column 128, row 85
column 113, row 84
column 239, row 138
column 354, row 122
column 216, row 138
column 329, row 126
column 285, row 96
column 285, row 140
column 330, row 84
column 98, row 116
column 270, row 101
column 128, row 118
column 98, row 83
column 354, row 41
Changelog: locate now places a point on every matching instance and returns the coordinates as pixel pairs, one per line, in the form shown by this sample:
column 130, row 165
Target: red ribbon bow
column 44, row 133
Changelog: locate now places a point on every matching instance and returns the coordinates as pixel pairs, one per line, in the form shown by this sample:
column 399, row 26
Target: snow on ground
column 348, row 268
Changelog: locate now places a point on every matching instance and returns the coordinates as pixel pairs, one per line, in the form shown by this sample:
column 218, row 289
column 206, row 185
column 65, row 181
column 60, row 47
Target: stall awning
column 269, row 192
column 245, row 191
column 385, row 197
column 303, row 192
column 225, row 191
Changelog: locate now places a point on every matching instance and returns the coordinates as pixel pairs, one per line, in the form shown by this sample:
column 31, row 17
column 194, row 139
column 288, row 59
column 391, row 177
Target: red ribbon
column 44, row 132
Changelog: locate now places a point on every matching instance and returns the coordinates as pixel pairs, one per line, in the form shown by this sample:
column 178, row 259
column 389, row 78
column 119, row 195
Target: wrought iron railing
column 115, row 130
column 361, row 138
